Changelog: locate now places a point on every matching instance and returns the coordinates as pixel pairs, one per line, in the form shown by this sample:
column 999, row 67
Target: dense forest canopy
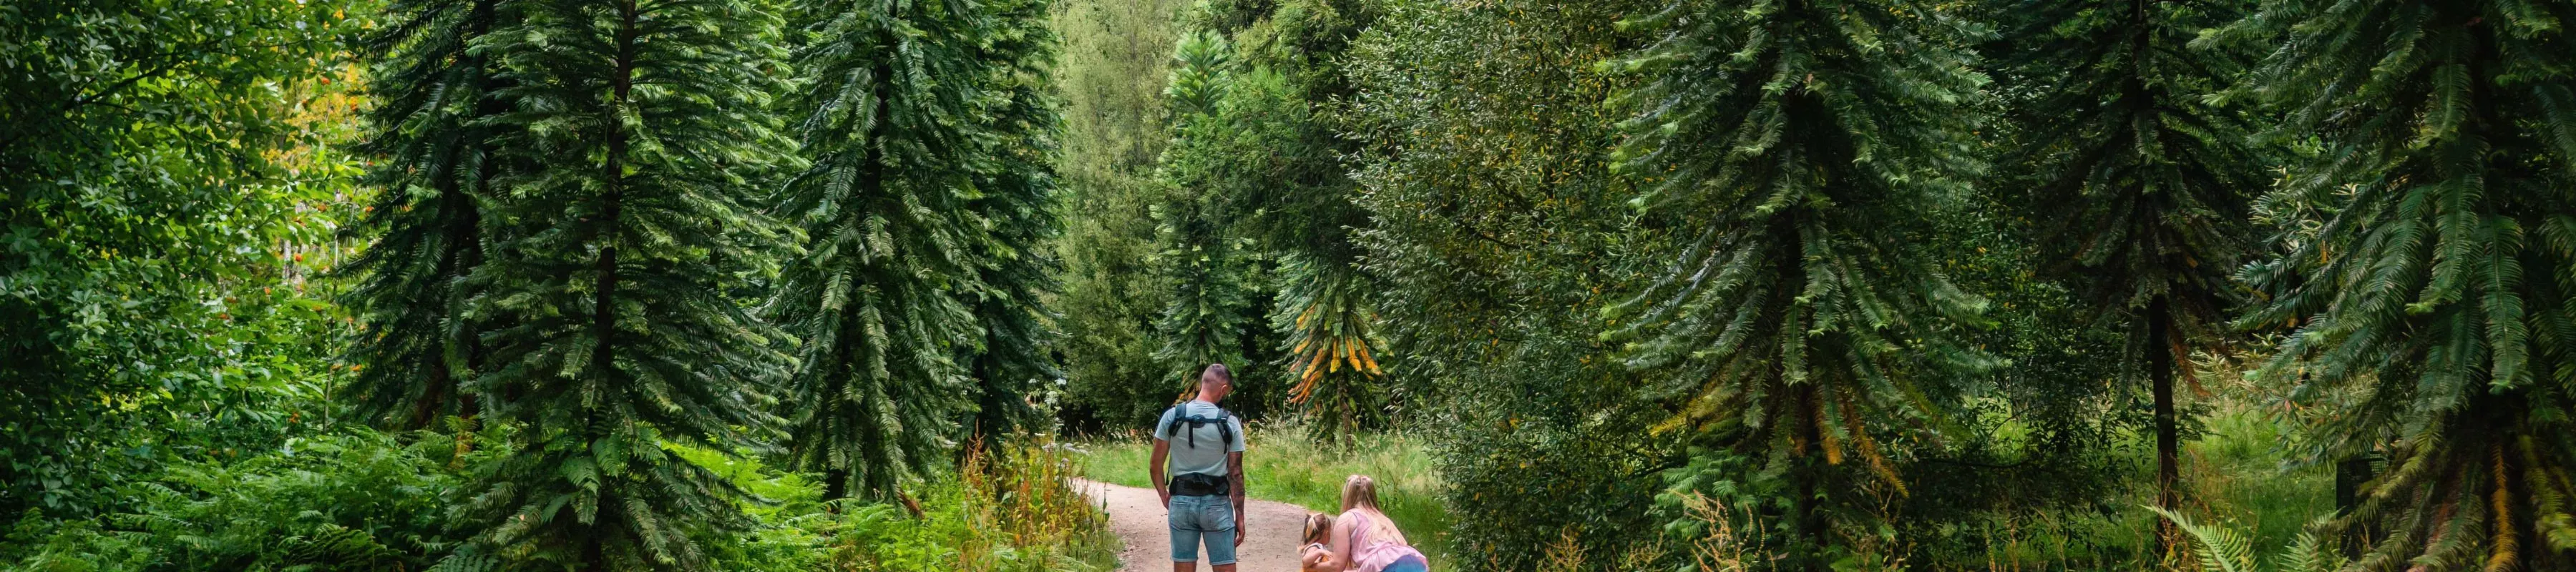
column 1659, row 284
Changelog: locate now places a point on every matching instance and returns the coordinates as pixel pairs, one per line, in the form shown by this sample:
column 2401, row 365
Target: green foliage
column 162, row 177
column 2220, row 548
column 1278, row 171
column 917, row 294
column 1755, row 491
column 1202, row 265
column 641, row 134
column 878, row 296
column 2217, row 549
column 1111, row 75
column 2045, row 446
column 1019, row 189
column 1006, row 509
column 1249, row 181
column 432, row 122
column 2427, row 253
column 356, row 500
column 1797, row 149
column 2142, row 184
column 1285, row 176
column 1497, row 232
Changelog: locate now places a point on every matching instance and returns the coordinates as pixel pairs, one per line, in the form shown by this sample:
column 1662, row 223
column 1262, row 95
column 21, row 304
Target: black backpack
column 1223, row 429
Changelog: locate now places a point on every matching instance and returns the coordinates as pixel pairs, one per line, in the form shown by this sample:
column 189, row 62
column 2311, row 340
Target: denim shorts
column 1409, row 563
column 1197, row 518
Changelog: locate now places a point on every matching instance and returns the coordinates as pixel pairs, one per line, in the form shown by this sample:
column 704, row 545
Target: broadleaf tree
column 637, row 137
column 1795, row 148
column 1496, row 228
column 157, row 162
column 1111, row 74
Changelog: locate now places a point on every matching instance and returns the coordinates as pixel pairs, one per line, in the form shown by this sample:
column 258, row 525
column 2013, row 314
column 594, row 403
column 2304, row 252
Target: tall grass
column 1283, row 464
column 1007, row 509
column 1003, row 508
column 2233, row 473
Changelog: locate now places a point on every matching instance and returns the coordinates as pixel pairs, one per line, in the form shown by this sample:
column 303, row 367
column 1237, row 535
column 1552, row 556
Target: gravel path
column 1138, row 517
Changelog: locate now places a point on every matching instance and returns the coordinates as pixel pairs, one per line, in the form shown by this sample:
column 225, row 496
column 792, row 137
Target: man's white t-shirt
column 1209, row 456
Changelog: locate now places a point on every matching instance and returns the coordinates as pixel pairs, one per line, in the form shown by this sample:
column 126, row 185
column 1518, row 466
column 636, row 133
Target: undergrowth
column 361, row 500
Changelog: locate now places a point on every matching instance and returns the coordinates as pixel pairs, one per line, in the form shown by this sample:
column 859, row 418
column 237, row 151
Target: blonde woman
column 1363, row 539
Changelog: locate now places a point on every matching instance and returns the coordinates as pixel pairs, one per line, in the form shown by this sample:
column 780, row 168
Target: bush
column 1006, row 509
column 1537, row 493
column 359, row 500
column 354, row 500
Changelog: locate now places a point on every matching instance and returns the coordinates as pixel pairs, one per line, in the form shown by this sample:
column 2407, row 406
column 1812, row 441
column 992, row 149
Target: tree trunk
column 2350, row 474
column 835, row 486
column 424, row 411
column 2160, row 375
column 1811, row 522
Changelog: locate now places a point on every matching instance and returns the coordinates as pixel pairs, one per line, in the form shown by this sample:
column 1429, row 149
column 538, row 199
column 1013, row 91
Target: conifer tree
column 2428, row 260
column 426, row 230
column 1018, row 184
column 878, row 297
column 636, row 133
column 1199, row 260
column 1286, row 183
column 2141, row 184
column 1332, row 344
column 1791, row 145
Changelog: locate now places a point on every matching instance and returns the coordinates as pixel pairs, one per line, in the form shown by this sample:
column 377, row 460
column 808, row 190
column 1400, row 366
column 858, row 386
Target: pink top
column 1373, row 554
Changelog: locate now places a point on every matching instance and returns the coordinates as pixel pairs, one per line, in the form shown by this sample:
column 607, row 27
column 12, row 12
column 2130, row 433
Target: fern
column 336, row 548
column 2216, row 548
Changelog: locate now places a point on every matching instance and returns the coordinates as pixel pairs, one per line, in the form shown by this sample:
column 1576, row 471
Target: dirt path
column 1138, row 517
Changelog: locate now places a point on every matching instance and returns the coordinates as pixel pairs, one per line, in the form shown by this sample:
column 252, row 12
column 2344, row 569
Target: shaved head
column 1215, row 381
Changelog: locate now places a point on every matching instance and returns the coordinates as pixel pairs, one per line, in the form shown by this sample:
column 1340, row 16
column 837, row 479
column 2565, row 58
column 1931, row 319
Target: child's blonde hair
column 1318, row 525
column 1359, row 491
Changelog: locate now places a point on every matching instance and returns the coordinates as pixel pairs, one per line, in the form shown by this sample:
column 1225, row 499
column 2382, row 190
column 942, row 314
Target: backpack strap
column 1174, row 429
column 1224, row 429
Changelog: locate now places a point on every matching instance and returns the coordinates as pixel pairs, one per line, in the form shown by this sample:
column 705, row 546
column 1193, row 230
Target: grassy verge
column 2237, row 469
column 1002, row 509
column 2235, row 476
column 1287, row 467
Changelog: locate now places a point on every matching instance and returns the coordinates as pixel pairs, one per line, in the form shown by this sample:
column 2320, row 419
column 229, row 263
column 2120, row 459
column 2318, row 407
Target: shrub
column 1005, row 509
column 354, row 500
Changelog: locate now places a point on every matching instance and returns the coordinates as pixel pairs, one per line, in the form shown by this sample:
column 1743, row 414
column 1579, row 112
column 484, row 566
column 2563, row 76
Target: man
column 1204, row 490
